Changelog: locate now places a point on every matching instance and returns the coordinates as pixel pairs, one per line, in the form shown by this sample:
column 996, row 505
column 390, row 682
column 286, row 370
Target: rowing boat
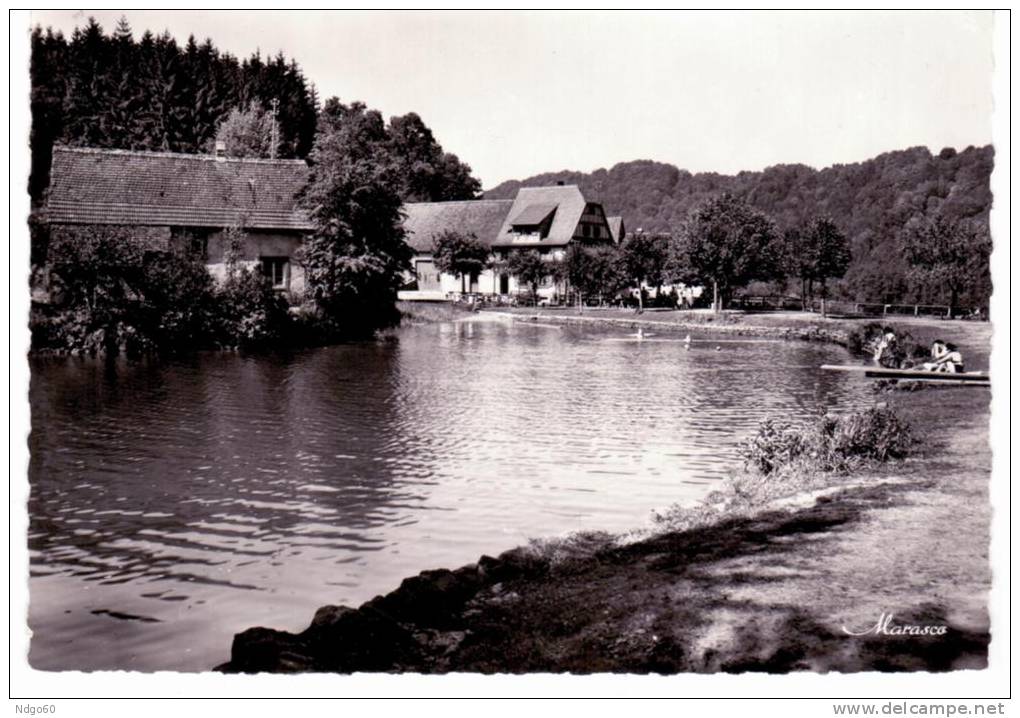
column 977, row 378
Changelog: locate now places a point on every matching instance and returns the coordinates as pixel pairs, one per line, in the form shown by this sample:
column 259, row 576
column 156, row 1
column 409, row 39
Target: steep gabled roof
column 481, row 217
column 93, row 186
column 617, row 228
column 569, row 204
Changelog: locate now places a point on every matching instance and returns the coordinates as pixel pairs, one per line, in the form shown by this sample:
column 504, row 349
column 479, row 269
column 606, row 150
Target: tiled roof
column 569, row 204
column 481, row 217
column 93, row 186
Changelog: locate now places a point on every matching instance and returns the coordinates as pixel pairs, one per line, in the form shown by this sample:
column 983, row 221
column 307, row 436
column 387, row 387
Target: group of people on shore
column 944, row 356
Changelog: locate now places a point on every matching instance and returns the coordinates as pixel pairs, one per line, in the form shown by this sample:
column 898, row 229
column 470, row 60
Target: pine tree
column 89, row 87
column 49, row 87
column 125, row 99
column 152, row 94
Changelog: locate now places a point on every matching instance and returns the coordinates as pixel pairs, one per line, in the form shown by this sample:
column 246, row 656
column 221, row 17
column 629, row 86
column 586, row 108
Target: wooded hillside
column 872, row 202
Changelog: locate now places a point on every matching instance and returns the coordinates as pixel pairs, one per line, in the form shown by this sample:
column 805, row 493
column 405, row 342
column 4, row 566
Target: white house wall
column 487, row 283
column 253, row 247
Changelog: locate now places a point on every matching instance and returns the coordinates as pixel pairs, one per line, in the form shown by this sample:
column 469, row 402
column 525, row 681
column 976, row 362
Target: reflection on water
column 176, row 503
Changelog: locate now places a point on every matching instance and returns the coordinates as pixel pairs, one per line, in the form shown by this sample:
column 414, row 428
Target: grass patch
column 561, row 550
column 429, row 312
column 782, row 460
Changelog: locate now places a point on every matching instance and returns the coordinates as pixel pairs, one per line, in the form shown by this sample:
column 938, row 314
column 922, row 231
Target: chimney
column 221, row 150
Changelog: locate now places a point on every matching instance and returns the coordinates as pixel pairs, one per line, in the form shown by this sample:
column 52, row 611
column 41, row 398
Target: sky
column 515, row 94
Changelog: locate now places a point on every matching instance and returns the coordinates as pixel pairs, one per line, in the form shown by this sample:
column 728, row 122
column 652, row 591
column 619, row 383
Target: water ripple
column 256, row 489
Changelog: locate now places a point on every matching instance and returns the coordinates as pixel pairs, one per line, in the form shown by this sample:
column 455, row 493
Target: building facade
column 542, row 219
column 246, row 211
column 217, row 207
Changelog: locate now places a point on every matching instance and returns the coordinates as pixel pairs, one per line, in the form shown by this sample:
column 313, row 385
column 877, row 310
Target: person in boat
column 885, row 350
column 949, row 358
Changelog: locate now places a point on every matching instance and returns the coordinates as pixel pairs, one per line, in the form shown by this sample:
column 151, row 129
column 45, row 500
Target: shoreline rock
column 396, row 631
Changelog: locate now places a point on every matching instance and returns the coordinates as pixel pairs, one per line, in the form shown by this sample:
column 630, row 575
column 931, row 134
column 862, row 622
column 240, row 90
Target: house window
column 277, row 270
column 191, row 241
column 586, row 231
column 199, row 247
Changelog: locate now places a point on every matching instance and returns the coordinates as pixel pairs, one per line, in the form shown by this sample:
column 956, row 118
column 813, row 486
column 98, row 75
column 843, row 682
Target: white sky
column 516, row 94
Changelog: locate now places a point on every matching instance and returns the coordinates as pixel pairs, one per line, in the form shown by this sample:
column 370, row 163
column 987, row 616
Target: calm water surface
column 174, row 504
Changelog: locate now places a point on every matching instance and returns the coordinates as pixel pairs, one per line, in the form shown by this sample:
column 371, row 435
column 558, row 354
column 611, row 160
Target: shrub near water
column 250, row 313
column 907, row 352
column 783, row 460
column 834, row 443
column 110, row 295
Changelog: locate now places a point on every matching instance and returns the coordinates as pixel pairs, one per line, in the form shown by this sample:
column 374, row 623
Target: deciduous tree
column 816, row 252
column 529, row 268
column 357, row 254
column 458, row 253
column 949, row 256
column 726, row 243
column 426, row 172
column 247, row 132
column 642, row 258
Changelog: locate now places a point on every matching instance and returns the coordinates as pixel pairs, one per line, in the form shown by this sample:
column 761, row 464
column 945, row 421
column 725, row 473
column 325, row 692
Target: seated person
column 886, row 349
column 948, row 359
column 938, row 350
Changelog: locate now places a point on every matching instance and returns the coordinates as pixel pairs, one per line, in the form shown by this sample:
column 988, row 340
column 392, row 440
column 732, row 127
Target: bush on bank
column 906, row 352
column 782, row 461
column 247, row 312
column 109, row 296
column 832, row 443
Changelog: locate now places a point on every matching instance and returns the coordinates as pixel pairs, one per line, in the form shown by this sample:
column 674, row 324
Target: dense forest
column 873, row 202
column 111, row 90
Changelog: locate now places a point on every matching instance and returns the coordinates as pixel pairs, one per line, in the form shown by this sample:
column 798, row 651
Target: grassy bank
column 427, row 312
column 767, row 583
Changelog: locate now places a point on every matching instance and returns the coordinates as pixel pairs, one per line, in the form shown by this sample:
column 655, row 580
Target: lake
column 174, row 503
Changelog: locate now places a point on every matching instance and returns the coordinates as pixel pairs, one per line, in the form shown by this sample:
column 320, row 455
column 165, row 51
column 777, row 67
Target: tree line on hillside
column 110, row 296
column 877, row 204
column 723, row 245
